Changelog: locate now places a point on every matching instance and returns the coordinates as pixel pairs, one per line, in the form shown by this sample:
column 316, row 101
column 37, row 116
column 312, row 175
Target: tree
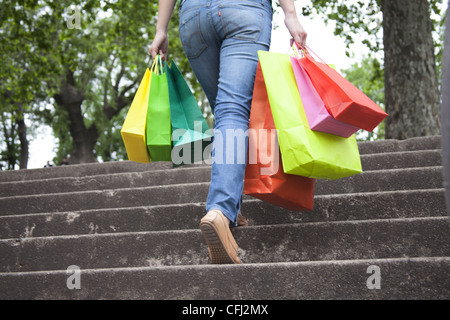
column 411, row 84
column 412, row 89
column 75, row 65
column 446, row 112
column 102, row 71
column 21, row 70
column 99, row 62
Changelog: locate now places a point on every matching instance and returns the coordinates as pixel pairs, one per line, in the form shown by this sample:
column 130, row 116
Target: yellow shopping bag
column 134, row 128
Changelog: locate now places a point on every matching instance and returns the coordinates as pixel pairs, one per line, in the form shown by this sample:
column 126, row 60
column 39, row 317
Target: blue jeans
column 221, row 39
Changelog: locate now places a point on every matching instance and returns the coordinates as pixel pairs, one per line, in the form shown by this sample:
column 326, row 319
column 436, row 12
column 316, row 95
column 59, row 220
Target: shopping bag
column 342, row 99
column 134, row 127
column 319, row 118
column 264, row 175
column 159, row 130
column 304, row 152
column 191, row 135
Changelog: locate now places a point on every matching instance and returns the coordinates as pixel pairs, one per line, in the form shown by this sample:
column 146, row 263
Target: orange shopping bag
column 264, row 175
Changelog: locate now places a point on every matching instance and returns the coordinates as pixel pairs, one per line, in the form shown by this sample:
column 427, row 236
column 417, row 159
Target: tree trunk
column 9, row 136
column 84, row 139
column 411, row 84
column 446, row 110
column 24, row 145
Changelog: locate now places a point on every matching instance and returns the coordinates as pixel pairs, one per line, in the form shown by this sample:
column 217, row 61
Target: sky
column 321, row 40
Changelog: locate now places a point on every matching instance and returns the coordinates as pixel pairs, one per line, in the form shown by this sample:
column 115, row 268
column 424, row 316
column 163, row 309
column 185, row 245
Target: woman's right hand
column 291, row 21
column 296, row 29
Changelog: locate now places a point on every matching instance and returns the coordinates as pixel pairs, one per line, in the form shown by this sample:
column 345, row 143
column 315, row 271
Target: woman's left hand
column 159, row 45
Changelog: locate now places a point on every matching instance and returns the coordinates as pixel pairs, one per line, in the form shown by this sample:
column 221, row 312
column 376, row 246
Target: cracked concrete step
column 400, row 278
column 373, row 147
column 371, row 181
column 370, row 162
column 361, row 206
column 367, row 239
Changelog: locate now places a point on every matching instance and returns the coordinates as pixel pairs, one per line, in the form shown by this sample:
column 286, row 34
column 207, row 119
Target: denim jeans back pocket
column 190, row 34
column 243, row 21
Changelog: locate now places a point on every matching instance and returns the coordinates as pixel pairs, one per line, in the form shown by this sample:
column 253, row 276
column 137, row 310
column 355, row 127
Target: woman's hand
column 297, row 31
column 159, row 45
column 294, row 26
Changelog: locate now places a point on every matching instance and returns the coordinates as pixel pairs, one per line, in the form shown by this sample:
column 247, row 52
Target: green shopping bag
column 159, row 131
column 304, row 152
column 190, row 132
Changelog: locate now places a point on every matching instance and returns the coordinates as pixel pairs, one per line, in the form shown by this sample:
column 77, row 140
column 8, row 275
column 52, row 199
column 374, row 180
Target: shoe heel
column 217, row 251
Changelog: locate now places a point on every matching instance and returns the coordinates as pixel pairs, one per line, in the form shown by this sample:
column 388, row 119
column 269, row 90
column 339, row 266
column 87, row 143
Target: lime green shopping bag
column 191, row 134
column 159, row 130
column 304, row 152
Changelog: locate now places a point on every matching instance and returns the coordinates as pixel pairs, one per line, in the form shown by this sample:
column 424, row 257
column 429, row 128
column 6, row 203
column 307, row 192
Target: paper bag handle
column 157, row 66
column 304, row 51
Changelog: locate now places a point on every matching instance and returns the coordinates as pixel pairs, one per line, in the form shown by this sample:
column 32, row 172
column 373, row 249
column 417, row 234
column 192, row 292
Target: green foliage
column 21, row 72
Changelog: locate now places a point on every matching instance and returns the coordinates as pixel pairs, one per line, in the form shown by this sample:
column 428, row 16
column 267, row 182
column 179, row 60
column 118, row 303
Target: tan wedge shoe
column 222, row 247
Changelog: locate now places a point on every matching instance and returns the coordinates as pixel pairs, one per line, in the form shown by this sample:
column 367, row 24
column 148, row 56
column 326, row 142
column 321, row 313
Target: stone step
column 349, row 240
column 81, row 170
column 386, row 180
column 373, row 147
column 413, row 144
column 327, row 208
column 371, row 162
column 371, row 181
column 401, row 160
column 399, row 278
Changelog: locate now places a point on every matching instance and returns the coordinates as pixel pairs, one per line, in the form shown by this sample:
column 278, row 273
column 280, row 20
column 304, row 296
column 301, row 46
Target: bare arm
column 160, row 43
column 294, row 26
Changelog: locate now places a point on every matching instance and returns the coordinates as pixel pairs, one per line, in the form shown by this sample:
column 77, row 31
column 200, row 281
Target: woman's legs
column 221, row 40
column 238, row 63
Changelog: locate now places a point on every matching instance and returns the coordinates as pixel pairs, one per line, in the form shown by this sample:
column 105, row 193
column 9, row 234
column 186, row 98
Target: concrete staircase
column 132, row 230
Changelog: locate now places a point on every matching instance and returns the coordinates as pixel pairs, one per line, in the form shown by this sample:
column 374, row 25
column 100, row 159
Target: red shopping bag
column 342, row 99
column 264, row 175
column 319, row 119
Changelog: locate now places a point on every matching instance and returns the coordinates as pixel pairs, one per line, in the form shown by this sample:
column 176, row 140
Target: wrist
column 161, row 31
column 290, row 15
column 288, row 7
